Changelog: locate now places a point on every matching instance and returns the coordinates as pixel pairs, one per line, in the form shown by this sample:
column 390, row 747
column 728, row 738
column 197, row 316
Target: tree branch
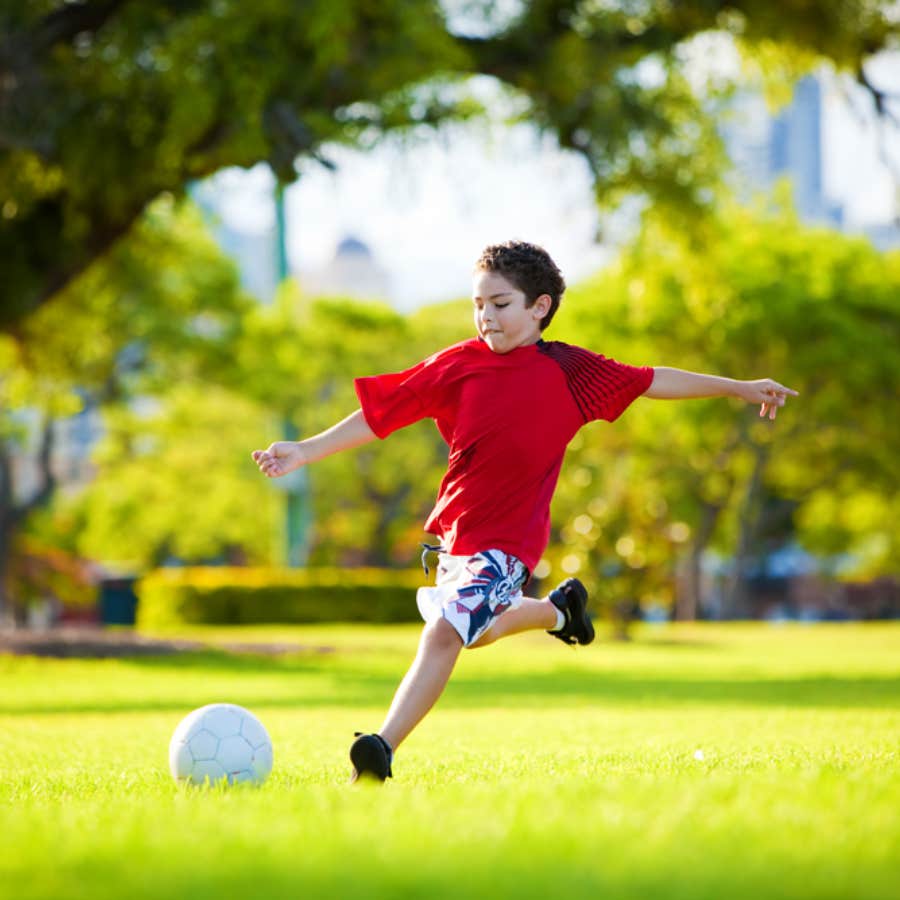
column 880, row 98
column 45, row 458
column 103, row 236
column 6, row 497
column 44, row 493
column 64, row 24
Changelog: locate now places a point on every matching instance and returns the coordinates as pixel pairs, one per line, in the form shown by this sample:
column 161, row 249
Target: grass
column 543, row 771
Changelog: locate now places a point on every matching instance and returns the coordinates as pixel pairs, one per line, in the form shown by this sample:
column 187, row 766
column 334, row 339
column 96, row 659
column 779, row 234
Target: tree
column 106, row 104
column 299, row 360
column 162, row 309
column 174, row 478
column 760, row 295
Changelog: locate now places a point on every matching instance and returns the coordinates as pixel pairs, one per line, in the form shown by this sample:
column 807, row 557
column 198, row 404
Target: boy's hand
column 279, row 458
column 768, row 393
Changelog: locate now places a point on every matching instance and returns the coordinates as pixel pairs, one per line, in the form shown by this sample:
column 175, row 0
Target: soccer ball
column 218, row 742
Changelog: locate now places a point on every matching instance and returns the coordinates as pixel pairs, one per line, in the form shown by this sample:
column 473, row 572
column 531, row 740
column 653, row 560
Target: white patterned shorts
column 472, row 591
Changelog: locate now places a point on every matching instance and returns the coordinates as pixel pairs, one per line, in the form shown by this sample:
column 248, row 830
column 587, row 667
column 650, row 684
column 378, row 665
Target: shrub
column 244, row 596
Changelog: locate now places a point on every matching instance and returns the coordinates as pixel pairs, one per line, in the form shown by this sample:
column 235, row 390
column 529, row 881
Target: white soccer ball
column 220, row 742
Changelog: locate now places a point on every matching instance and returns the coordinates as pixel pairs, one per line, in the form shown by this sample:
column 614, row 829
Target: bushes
column 244, row 596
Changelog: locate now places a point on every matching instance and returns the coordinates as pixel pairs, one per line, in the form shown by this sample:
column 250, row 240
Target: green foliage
column 168, row 598
column 132, row 100
column 106, row 105
column 638, row 501
column 162, row 308
column 158, row 314
column 299, row 358
column 174, row 478
column 195, row 389
column 758, row 295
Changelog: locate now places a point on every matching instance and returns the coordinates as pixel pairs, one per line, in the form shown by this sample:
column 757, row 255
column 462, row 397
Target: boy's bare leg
column 426, row 679
column 530, row 615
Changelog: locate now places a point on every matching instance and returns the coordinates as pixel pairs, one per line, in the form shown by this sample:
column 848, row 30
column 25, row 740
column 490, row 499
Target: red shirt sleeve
column 601, row 387
column 617, row 386
column 393, row 401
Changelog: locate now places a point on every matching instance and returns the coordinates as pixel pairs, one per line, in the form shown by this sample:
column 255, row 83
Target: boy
column 507, row 403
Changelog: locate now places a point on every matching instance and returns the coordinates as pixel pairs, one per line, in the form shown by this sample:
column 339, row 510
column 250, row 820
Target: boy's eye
column 501, row 305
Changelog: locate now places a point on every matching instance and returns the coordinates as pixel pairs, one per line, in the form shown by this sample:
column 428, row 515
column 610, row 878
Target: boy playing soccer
column 507, row 403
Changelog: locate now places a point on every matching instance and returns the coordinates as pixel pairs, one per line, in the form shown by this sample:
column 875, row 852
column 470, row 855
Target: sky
column 854, row 171
column 427, row 209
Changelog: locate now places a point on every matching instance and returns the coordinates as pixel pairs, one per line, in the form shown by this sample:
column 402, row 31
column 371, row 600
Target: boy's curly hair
column 527, row 267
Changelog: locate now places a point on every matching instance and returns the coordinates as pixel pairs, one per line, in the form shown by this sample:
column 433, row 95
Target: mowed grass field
column 720, row 761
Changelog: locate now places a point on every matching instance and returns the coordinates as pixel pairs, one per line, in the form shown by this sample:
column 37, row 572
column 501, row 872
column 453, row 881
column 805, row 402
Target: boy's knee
column 443, row 636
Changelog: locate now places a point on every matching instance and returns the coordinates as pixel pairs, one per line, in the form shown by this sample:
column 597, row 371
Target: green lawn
column 543, row 771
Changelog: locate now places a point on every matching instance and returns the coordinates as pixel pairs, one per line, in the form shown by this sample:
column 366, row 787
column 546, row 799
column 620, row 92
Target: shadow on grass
column 316, row 680
column 626, row 689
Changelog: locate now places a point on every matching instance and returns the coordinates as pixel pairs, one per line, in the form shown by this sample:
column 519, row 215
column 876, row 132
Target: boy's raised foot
column 570, row 598
column 371, row 756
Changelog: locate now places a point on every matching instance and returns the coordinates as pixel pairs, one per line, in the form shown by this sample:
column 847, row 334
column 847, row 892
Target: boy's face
column 501, row 317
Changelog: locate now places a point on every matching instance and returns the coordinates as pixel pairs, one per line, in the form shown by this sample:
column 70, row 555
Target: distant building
column 352, row 272
column 256, row 256
column 795, row 150
column 767, row 148
column 254, row 250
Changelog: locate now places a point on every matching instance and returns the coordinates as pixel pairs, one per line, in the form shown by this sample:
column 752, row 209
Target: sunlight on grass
column 704, row 761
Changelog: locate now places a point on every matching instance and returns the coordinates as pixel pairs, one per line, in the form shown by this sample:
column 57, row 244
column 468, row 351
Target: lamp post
column 298, row 513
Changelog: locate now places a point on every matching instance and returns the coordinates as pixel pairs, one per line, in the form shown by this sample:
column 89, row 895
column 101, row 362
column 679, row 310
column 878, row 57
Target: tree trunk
column 736, row 601
column 12, row 515
column 6, row 511
column 5, row 600
column 687, row 603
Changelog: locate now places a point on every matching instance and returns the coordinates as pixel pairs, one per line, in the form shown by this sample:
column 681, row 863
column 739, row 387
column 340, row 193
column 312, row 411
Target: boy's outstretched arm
column 676, row 384
column 284, row 456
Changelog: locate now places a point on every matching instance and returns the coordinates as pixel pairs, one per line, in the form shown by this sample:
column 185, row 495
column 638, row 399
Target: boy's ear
column 541, row 306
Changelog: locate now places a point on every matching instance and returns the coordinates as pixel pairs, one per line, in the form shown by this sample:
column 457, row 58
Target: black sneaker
column 371, row 756
column 571, row 597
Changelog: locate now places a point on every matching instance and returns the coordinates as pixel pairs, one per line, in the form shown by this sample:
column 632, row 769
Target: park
column 732, row 730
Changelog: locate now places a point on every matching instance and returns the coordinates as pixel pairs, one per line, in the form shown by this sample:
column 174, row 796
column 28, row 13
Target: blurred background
column 214, row 217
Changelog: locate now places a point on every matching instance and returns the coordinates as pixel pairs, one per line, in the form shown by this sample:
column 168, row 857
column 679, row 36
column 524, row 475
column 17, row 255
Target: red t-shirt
column 507, row 418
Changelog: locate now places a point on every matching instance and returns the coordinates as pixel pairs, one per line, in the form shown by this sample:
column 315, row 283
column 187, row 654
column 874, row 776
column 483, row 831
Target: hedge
column 244, row 596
